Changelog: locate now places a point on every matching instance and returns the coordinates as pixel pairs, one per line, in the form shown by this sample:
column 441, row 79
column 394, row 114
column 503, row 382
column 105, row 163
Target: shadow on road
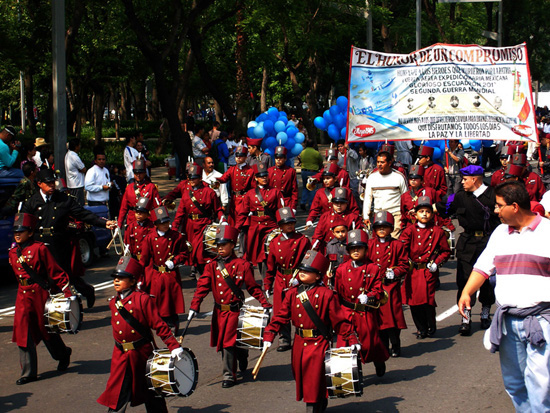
column 222, row 408
column 396, row 376
column 272, row 373
column 386, row 405
column 92, row 366
column 14, row 401
column 428, row 345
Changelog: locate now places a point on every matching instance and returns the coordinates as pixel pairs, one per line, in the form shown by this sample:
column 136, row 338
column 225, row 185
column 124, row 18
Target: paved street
column 441, row 374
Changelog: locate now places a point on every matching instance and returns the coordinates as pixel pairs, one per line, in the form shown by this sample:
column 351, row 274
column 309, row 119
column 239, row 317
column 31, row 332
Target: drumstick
column 180, row 339
column 258, row 363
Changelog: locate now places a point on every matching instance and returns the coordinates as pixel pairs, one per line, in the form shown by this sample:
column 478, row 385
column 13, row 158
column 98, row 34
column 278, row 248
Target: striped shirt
column 521, row 261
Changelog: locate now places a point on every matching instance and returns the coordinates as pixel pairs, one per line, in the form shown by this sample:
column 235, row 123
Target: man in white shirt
column 209, row 175
column 98, row 181
column 385, row 187
column 75, row 170
column 38, row 142
column 130, row 155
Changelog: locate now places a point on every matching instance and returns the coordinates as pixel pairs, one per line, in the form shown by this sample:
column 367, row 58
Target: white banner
column 441, row 92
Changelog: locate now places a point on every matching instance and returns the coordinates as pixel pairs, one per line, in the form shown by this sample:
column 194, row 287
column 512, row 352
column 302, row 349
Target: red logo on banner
column 363, row 131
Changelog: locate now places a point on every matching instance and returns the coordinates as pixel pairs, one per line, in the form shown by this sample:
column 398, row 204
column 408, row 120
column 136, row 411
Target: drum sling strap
column 328, row 195
column 229, row 280
column 196, row 203
column 34, row 276
column 304, row 299
column 134, row 323
column 267, row 210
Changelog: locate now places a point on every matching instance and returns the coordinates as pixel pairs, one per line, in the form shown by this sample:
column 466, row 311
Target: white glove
column 73, row 298
column 294, row 282
column 176, row 353
column 309, row 224
column 267, row 344
column 363, row 298
column 139, row 284
column 224, row 223
column 294, row 211
column 432, row 267
column 390, row 275
column 169, row 264
column 267, row 294
column 191, row 314
column 356, row 347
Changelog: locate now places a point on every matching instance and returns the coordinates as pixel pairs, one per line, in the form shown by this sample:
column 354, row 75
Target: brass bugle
column 311, row 184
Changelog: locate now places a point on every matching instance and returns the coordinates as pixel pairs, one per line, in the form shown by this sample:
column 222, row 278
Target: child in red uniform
column 358, row 284
column 337, row 249
column 225, row 277
column 428, row 250
column 286, row 251
column 310, row 345
column 162, row 250
column 137, row 231
column 127, row 382
column 32, row 294
column 391, row 256
column 340, row 208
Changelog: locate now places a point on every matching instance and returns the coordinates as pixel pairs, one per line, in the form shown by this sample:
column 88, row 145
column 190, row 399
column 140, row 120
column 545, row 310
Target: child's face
column 339, row 207
column 288, row 228
column 240, row 159
column 415, row 183
column 308, row 277
column 280, row 162
column 329, row 181
column 340, row 232
column 383, row 231
column 424, row 215
column 141, row 216
column 22, row 236
column 165, row 226
column 225, row 249
column 123, row 283
column 357, row 253
column 261, row 180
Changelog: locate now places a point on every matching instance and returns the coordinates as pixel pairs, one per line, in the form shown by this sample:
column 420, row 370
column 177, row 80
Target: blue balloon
column 291, row 131
column 269, row 126
column 290, row 143
column 371, row 145
column 279, row 126
column 437, row 153
column 418, row 143
column 465, row 143
column 342, row 103
column 261, row 118
column 263, row 145
column 320, row 123
column 250, row 133
column 273, row 111
column 300, row 137
column 486, row 143
column 339, row 120
column 475, row 145
column 343, row 133
column 270, row 142
column 282, row 137
column 259, row 131
column 327, row 116
column 334, row 111
column 333, row 132
column 283, row 115
column 269, row 151
column 297, row 149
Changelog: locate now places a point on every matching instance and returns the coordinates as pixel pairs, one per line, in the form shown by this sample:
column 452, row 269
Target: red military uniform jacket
column 261, row 224
column 390, row 254
column 196, row 220
column 135, row 234
column 434, row 177
column 337, row 253
column 133, row 192
column 308, row 354
column 408, row 202
column 242, row 180
column 497, row 178
column 142, row 307
column 31, row 299
column 284, row 179
column 534, row 185
column 285, row 254
column 164, row 284
column 225, row 320
column 342, row 177
column 322, row 202
column 323, row 233
column 349, row 282
column 424, row 245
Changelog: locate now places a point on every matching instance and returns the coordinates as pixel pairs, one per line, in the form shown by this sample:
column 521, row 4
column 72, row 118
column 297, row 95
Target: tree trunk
column 242, row 93
column 154, row 110
column 430, row 10
column 263, row 95
column 29, row 101
column 183, row 85
column 98, row 104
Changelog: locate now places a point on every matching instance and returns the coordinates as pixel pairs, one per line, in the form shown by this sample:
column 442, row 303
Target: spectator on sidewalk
column 454, row 160
column 39, row 143
column 130, row 155
column 9, row 153
column 311, row 161
column 200, row 150
column 75, row 170
column 98, row 180
column 222, row 152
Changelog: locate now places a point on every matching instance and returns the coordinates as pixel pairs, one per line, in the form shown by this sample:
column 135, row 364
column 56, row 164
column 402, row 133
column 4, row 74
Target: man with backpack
column 220, row 153
column 454, row 161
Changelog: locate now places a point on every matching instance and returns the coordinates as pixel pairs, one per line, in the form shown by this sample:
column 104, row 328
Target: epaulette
column 109, row 299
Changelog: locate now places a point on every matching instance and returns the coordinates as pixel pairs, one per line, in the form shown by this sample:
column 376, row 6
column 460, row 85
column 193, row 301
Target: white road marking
column 447, row 313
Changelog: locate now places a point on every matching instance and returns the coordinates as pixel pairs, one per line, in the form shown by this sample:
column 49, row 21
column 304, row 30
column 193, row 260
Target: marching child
column 313, row 332
column 391, row 256
column 133, row 346
column 337, row 249
column 428, row 250
column 225, row 276
column 358, row 283
column 137, row 231
column 36, row 271
column 286, row 251
column 163, row 249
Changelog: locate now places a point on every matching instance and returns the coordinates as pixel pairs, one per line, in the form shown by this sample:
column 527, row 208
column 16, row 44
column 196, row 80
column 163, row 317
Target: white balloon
column 252, row 124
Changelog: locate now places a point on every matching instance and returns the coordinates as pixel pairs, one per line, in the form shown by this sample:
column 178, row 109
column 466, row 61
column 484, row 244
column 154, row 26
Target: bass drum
column 343, row 372
column 63, row 315
column 269, row 238
column 169, row 376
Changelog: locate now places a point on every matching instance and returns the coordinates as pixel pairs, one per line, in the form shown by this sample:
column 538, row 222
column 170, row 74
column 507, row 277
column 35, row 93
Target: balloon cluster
column 334, row 119
column 439, row 145
column 275, row 129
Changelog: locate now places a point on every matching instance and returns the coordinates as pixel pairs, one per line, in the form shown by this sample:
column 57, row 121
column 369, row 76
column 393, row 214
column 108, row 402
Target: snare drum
column 209, row 239
column 169, row 376
column 252, row 323
column 343, row 372
column 62, row 315
column 269, row 238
